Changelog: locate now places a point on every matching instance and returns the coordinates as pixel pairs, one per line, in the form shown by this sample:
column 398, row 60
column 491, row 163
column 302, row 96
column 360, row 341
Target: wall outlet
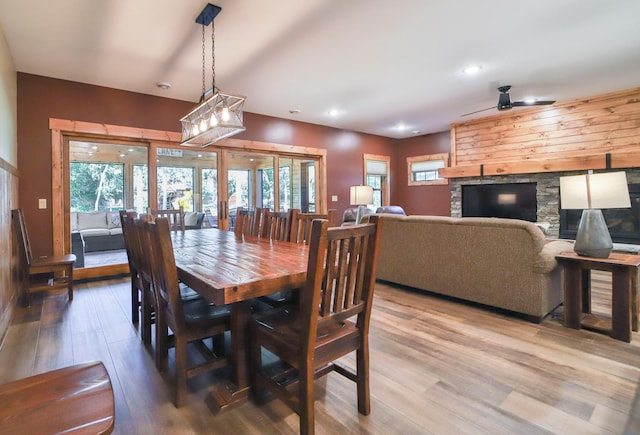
column 42, row 203
column 334, row 198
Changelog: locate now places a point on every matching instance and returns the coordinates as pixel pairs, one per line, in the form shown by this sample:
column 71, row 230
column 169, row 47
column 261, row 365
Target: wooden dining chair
column 247, row 222
column 142, row 296
column 175, row 216
column 301, row 225
column 331, row 321
column 190, row 320
column 56, row 270
column 276, row 225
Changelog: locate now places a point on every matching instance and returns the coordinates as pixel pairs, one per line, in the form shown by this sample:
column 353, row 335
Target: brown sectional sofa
column 503, row 263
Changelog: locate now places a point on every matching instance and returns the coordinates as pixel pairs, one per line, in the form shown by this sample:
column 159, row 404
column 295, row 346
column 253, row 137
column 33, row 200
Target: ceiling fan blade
column 478, row 111
column 535, row 103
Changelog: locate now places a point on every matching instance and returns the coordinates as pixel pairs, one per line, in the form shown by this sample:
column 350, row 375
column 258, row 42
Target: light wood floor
column 438, row 367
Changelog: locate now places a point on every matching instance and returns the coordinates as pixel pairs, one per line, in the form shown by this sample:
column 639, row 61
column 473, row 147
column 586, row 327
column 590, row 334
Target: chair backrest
column 159, row 249
column 247, row 222
column 276, row 225
column 341, row 276
column 175, row 216
column 22, row 237
column 126, row 222
column 301, row 225
column 139, row 245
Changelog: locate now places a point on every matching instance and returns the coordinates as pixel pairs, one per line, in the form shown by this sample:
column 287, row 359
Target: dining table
column 230, row 269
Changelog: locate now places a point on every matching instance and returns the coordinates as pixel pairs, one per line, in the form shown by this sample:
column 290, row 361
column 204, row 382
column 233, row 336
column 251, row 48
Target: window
column 376, row 175
column 423, row 170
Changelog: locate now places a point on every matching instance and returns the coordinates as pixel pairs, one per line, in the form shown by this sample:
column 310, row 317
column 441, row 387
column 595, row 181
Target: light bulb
column 213, row 121
column 225, row 115
column 195, row 129
column 203, row 124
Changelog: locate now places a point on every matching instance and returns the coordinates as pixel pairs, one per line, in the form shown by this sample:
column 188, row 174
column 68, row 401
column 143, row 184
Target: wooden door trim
column 62, row 129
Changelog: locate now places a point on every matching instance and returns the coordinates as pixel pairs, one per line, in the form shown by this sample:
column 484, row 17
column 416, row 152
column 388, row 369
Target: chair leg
column 181, row 371
column 135, row 303
column 307, row 411
column 147, row 309
column 362, row 363
column 162, row 345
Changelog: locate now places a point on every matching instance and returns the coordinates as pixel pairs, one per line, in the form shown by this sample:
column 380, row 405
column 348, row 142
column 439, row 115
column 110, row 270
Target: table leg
column 634, row 300
column 586, row 291
column 234, row 392
column 621, row 303
column 572, row 295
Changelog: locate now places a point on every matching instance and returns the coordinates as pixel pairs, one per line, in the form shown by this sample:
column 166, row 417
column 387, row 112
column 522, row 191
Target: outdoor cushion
column 92, row 220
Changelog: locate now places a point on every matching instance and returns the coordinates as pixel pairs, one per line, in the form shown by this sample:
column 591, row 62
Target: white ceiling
column 380, row 63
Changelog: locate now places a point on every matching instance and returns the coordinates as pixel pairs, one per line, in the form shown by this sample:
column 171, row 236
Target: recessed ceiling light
column 130, row 150
column 199, row 155
column 416, row 132
column 473, row 69
column 334, row 112
column 122, row 154
column 164, row 86
column 95, row 147
column 401, row 127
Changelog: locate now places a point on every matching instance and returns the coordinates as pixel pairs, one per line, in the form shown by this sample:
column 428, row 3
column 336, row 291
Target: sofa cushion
column 114, row 231
column 113, row 219
column 88, row 220
column 91, row 232
column 73, row 218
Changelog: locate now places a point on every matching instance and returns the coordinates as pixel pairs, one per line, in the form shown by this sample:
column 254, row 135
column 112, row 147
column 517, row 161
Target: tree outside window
column 96, row 186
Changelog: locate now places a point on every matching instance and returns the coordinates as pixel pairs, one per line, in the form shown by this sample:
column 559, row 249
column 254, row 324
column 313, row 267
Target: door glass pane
column 209, row 189
column 140, row 188
column 297, row 184
column 103, row 177
column 96, row 186
column 176, row 179
column 251, row 181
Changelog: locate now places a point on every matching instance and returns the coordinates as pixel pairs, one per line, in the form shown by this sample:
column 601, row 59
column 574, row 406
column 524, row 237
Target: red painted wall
column 41, row 98
column 424, row 200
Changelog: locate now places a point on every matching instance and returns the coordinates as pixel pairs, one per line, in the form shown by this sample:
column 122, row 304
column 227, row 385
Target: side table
column 624, row 293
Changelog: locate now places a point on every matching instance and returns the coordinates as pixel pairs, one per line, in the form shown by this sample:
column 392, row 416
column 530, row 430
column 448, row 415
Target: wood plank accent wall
column 575, row 135
column 8, row 252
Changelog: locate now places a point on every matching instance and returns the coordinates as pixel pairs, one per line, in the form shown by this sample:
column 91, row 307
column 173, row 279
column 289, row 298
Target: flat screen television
column 512, row 200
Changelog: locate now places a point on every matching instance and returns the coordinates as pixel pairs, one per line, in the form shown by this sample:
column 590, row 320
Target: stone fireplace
column 547, row 195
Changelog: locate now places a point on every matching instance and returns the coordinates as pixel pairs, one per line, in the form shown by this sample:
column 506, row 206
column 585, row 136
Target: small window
column 423, row 170
column 376, row 175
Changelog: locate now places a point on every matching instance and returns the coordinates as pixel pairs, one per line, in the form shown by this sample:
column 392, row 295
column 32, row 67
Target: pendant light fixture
column 218, row 114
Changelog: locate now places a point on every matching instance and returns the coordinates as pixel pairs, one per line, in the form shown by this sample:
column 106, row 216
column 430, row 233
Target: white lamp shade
column 595, row 191
column 361, row 195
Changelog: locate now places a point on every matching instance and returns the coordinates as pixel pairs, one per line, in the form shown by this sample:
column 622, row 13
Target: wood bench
column 76, row 399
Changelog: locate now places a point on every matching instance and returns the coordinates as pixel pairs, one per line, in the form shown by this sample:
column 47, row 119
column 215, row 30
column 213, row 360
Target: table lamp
column 592, row 193
column 361, row 196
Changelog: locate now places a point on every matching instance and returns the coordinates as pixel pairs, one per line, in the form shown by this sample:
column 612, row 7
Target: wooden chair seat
column 76, row 399
column 198, row 312
column 57, row 270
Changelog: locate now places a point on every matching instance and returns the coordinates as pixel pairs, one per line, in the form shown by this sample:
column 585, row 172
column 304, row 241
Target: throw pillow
column 113, row 219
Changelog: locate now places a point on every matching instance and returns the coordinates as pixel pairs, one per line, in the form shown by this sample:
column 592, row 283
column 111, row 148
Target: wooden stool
column 76, row 399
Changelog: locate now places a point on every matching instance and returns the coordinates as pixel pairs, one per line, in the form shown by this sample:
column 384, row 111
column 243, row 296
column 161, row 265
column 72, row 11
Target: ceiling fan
column 505, row 103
